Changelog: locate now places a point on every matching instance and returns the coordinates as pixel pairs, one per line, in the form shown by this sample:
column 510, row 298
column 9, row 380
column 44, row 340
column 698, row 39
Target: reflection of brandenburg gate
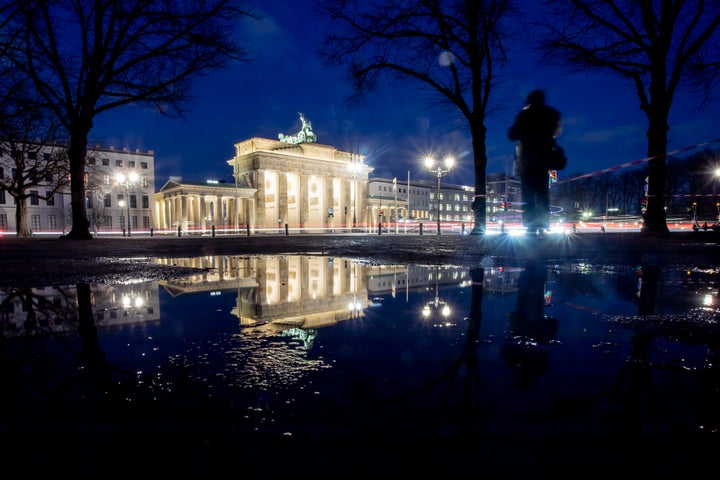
column 300, row 291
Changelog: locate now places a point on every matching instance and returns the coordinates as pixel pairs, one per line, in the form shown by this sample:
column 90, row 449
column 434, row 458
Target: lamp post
column 354, row 168
column 439, row 171
column 717, row 204
column 126, row 181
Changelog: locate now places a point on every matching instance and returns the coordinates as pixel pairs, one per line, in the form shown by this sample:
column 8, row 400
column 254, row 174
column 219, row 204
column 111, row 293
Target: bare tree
column 30, row 156
column 450, row 48
column 86, row 57
column 659, row 46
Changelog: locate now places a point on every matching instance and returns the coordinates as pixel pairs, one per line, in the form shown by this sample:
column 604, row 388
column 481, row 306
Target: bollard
column 213, row 231
column 247, row 228
column 179, row 230
column 151, row 231
column 462, row 232
column 420, row 228
column 287, row 231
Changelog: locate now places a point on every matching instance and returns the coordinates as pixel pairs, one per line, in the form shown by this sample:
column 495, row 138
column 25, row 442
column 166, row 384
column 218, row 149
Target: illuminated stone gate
column 291, row 182
column 306, row 185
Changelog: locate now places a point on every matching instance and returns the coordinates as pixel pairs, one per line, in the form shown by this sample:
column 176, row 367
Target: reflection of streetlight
column 130, row 301
column 439, row 171
column 438, row 304
column 126, row 181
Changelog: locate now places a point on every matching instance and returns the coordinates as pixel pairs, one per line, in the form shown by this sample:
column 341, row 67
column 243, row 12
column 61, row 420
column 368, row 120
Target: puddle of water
column 505, row 369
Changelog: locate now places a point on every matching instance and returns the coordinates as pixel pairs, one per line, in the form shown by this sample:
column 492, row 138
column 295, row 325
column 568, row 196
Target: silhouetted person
column 533, row 130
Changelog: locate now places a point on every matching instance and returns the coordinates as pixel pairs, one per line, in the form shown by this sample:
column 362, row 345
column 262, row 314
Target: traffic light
column 503, row 206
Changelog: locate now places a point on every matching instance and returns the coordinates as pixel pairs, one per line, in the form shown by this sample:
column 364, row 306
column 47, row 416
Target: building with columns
column 304, row 186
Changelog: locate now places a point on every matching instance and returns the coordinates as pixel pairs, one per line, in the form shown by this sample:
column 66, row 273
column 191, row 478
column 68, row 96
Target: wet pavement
column 603, row 384
column 53, row 258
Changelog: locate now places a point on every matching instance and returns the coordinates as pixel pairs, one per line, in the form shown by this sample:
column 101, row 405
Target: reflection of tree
column 45, row 311
column 637, row 374
column 529, row 326
column 54, row 393
column 641, row 404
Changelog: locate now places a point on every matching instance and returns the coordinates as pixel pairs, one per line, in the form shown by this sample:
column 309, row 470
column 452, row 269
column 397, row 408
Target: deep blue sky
column 602, row 123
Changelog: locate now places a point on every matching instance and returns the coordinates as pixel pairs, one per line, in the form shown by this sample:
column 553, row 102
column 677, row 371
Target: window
column 106, row 162
column 108, row 221
column 106, row 179
column 52, row 225
column 3, row 221
column 50, row 198
column 133, row 222
column 106, row 200
column 34, row 199
column 146, row 222
column 145, row 201
column 143, row 165
column 91, row 161
column 35, row 222
column 120, row 198
column 144, row 182
column 131, row 164
column 133, row 201
column 118, row 163
column 2, row 196
column 89, row 200
column 32, row 155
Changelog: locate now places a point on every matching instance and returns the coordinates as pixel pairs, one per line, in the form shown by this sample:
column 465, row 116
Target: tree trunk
column 655, row 219
column 22, row 228
column 479, row 203
column 76, row 156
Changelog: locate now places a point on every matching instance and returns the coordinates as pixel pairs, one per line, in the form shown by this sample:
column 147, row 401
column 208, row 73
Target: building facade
column 120, row 186
column 278, row 186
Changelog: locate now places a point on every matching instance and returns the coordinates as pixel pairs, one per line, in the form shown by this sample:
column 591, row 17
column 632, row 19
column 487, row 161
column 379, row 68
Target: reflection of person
column 530, row 326
column 534, row 128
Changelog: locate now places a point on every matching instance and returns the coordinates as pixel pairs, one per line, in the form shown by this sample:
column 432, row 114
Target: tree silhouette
column 659, row 47
column 86, row 57
column 451, row 49
column 29, row 155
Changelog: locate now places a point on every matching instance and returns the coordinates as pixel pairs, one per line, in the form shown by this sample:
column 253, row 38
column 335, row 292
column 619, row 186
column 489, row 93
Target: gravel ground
column 43, row 261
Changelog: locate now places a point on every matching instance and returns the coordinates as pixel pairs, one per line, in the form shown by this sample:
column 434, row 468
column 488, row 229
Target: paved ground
column 28, row 261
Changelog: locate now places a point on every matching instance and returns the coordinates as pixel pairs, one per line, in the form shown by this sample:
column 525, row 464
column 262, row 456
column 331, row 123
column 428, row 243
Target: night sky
column 603, row 125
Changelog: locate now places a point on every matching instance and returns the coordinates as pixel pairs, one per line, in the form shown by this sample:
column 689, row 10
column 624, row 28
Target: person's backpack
column 557, row 160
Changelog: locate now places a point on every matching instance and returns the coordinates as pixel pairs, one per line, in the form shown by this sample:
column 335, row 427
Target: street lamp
column 439, row 171
column 126, row 181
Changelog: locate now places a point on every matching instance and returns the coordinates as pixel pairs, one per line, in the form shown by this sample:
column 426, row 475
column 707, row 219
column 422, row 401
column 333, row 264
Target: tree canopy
column 86, row 57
